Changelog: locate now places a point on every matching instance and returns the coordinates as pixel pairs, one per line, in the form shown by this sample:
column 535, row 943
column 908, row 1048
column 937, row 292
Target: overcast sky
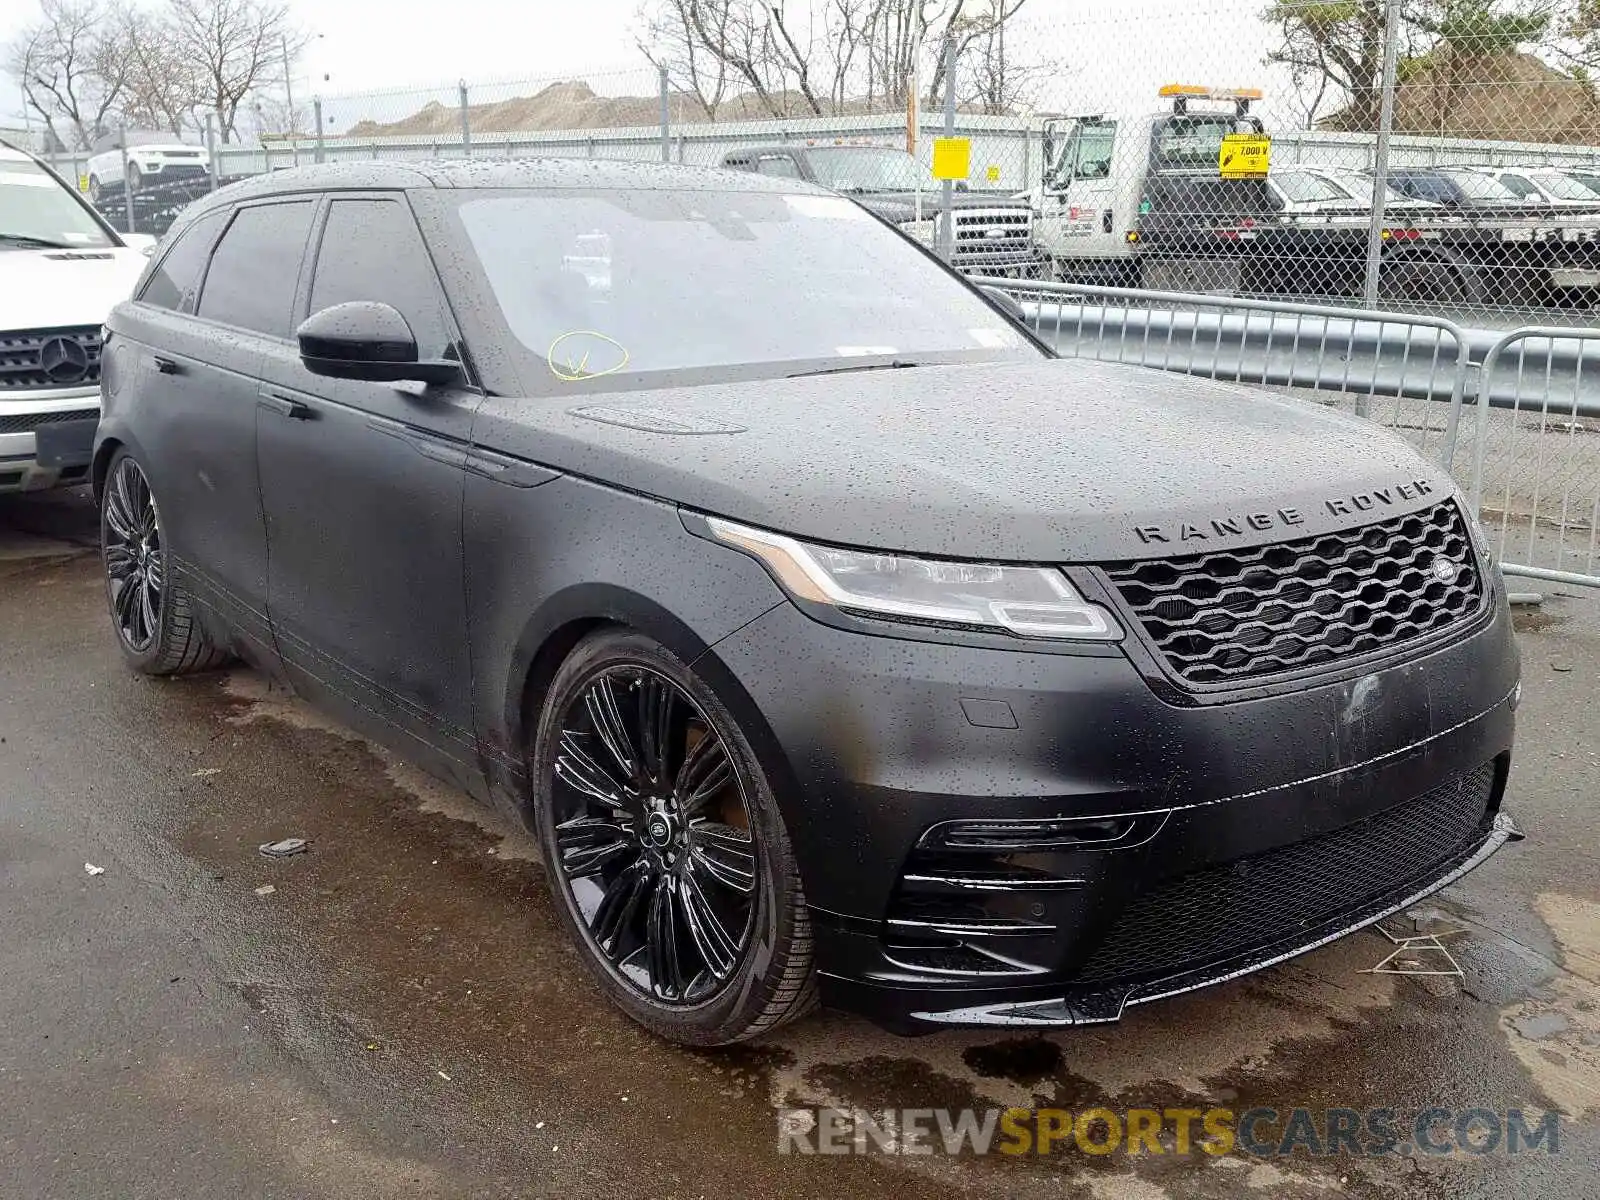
column 1117, row 52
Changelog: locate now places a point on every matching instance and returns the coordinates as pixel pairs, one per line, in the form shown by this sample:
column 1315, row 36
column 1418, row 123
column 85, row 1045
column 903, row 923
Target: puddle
column 1555, row 1033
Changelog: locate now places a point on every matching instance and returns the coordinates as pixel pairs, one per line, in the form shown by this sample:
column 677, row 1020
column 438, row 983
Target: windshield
column 1195, row 142
column 1480, row 187
column 604, row 283
column 37, row 211
column 869, row 169
column 1564, row 187
column 1362, row 187
column 1303, row 187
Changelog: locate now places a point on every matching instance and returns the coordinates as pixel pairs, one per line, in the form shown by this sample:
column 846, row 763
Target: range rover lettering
column 837, row 641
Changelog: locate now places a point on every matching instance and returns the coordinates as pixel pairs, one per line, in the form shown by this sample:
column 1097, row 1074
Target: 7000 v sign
column 1245, row 156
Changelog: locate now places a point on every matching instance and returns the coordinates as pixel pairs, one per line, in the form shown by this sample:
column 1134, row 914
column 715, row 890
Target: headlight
column 1475, row 530
column 1035, row 602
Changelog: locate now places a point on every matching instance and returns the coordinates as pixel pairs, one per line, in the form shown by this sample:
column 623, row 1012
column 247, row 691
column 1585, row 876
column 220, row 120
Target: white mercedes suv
column 61, row 269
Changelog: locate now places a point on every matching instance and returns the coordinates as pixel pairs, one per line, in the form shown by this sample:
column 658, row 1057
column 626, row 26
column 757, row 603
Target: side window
column 1094, row 145
column 777, row 164
column 176, row 279
column 1519, row 185
column 256, row 267
column 371, row 250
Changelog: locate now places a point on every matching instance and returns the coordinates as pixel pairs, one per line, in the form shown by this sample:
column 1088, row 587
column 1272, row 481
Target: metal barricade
column 1404, row 371
column 1528, row 458
column 1534, row 474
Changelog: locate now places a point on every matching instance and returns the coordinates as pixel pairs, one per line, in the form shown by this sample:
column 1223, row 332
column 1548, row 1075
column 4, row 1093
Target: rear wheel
column 135, row 177
column 668, row 858
column 153, row 616
column 96, row 190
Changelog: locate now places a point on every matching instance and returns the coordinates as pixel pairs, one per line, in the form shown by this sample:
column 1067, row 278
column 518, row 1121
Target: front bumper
column 46, row 437
column 1171, row 845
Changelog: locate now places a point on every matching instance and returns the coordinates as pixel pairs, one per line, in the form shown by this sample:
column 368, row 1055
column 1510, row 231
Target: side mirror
column 363, row 339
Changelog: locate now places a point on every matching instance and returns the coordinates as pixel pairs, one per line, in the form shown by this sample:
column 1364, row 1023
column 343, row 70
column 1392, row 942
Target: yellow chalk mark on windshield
column 573, row 367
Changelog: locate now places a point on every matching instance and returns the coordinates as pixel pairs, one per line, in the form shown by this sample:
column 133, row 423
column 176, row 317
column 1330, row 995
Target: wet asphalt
column 399, row 1015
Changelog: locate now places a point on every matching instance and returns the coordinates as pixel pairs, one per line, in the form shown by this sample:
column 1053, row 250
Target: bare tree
column 72, row 69
column 236, row 46
column 824, row 57
column 163, row 88
column 671, row 39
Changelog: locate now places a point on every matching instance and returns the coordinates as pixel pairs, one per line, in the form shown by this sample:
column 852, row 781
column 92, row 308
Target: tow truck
column 1177, row 200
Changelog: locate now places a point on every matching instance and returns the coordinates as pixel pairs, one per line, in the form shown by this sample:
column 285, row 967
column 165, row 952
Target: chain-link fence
column 1427, row 155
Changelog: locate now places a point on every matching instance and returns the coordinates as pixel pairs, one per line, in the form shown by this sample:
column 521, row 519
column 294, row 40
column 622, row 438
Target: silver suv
column 61, row 269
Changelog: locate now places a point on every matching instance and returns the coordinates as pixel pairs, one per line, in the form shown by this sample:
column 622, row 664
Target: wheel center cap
column 659, row 830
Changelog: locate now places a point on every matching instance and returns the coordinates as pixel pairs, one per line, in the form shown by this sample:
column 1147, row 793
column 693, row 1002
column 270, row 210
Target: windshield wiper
column 28, row 241
column 893, row 364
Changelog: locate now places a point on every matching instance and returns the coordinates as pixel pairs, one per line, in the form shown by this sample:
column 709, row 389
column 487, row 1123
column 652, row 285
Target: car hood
column 1049, row 461
column 47, row 289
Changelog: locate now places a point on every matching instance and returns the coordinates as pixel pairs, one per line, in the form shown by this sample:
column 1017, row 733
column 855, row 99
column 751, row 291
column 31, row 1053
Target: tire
column 96, row 189
column 135, row 177
column 152, row 615
column 1423, row 281
column 645, row 852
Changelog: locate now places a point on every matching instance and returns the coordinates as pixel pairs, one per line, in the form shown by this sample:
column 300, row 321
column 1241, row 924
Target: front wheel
column 135, row 177
column 665, row 849
column 152, row 614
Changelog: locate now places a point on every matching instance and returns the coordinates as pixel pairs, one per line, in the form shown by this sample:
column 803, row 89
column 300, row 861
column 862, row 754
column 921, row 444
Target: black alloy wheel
column 151, row 611
column 135, row 565
column 665, row 848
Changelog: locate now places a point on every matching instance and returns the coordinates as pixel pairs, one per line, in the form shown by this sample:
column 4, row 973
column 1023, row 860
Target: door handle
column 288, row 406
column 167, row 366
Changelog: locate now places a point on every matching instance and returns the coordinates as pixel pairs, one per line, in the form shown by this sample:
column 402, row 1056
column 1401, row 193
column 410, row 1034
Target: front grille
column 28, row 422
column 49, row 358
column 1011, row 228
column 1226, row 616
column 1216, row 914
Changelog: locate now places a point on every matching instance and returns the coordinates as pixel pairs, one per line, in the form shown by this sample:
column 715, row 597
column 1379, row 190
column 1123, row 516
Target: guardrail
column 1535, row 474
column 1527, row 460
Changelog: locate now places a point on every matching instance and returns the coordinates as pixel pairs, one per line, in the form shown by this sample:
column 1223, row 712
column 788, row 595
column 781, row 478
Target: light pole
column 288, row 95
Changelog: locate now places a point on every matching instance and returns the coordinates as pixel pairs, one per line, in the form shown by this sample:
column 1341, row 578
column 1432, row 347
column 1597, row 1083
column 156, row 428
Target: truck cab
column 1124, row 198
column 993, row 233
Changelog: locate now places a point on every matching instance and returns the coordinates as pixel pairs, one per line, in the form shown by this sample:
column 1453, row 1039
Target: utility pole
column 947, row 187
column 1380, row 163
column 288, row 95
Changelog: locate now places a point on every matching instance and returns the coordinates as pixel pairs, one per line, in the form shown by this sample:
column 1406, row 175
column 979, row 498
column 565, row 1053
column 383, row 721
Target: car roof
column 575, row 173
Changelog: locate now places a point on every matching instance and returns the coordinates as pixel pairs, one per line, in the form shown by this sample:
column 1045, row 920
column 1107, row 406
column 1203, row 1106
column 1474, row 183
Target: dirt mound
column 569, row 105
column 1511, row 97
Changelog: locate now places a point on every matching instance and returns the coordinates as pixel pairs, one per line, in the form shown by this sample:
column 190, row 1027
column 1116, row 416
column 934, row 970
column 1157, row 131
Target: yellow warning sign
column 952, row 158
column 993, row 173
column 1244, row 156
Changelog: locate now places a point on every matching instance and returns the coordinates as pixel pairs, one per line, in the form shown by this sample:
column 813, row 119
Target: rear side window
column 777, row 164
column 256, row 268
column 371, row 250
column 176, row 280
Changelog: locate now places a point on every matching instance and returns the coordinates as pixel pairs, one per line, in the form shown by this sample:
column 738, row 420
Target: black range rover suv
column 833, row 637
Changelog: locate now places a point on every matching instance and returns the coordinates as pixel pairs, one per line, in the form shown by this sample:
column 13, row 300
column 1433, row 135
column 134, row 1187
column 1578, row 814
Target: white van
column 61, row 269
